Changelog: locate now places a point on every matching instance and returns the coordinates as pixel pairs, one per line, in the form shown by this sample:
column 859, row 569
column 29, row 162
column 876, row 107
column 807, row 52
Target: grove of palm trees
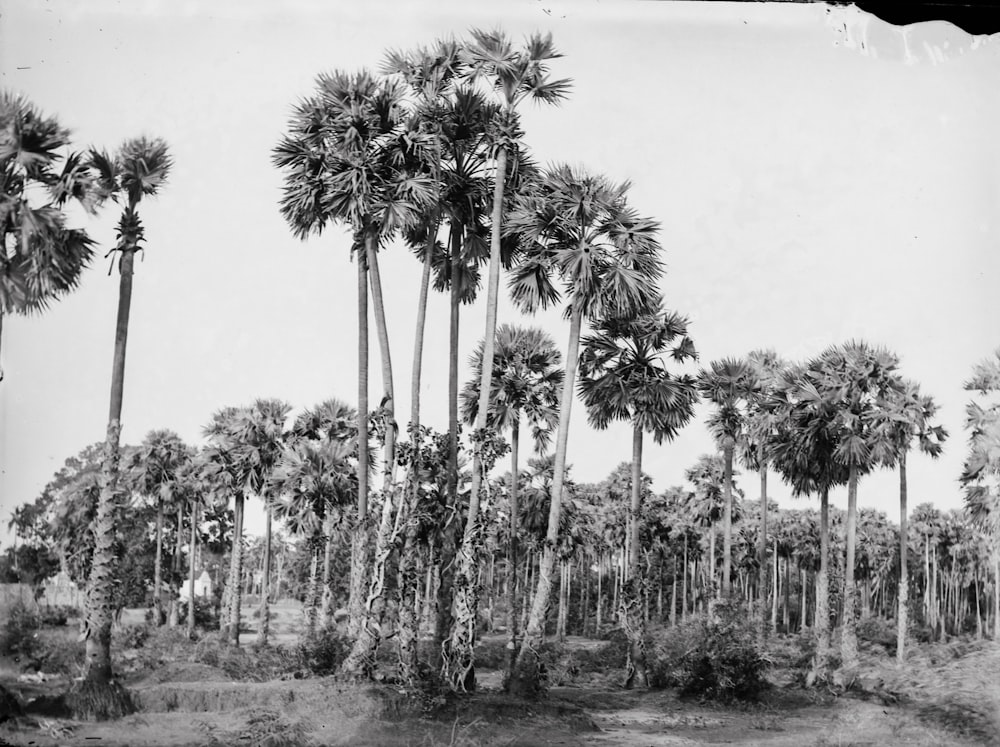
column 755, row 502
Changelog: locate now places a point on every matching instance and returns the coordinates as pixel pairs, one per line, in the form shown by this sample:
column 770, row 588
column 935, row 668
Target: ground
column 185, row 702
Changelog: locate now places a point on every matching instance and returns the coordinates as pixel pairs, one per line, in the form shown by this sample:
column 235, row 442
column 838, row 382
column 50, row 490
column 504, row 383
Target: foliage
column 57, row 615
column 722, row 659
column 323, row 653
column 19, row 635
column 205, row 613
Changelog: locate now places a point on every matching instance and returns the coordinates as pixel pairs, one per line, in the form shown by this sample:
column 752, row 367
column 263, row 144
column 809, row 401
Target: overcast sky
column 819, row 176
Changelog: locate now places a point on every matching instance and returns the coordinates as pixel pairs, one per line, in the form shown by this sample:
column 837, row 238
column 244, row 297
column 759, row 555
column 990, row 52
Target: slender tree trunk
column 684, row 590
column 361, row 661
column 359, row 535
column 236, row 577
column 100, row 695
column 514, row 523
column 191, row 566
column 774, row 587
column 600, row 595
column 175, row 567
column 822, row 625
column 762, row 551
column 450, row 533
column 996, row 596
column 158, row 566
column 711, row 561
column 312, row 592
column 526, row 679
column 326, row 605
column 673, row 599
column 849, row 634
column 903, row 570
column 631, row 618
column 264, row 628
column 459, row 660
column 727, row 518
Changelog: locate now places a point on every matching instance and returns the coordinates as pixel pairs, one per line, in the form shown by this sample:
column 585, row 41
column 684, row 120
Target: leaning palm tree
column 580, row 227
column 40, row 258
column 155, row 469
column 729, row 384
column 138, row 169
column 527, row 383
column 624, row 377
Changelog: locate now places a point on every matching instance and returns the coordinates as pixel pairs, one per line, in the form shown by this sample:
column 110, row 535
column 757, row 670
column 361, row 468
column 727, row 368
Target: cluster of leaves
column 19, row 635
column 715, row 656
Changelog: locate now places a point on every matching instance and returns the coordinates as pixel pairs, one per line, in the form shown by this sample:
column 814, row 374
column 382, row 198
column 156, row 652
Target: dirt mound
column 180, row 671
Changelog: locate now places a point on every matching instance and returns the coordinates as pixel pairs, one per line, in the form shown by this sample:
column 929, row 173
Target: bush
column 324, row 653
column 205, row 613
column 58, row 615
column 713, row 656
column 878, row 632
column 131, row 636
column 19, row 635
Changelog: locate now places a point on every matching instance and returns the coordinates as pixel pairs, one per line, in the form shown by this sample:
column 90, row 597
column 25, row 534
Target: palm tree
column 40, row 258
column 155, row 469
column 858, row 381
column 981, row 470
column 581, row 227
column 729, row 385
column 623, row 377
column 224, row 470
column 706, row 505
column 312, row 482
column 527, row 383
column 802, row 451
column 906, row 415
column 767, row 368
column 139, row 168
column 339, row 160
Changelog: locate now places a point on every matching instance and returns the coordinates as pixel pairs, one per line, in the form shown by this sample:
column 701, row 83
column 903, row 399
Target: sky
column 819, row 176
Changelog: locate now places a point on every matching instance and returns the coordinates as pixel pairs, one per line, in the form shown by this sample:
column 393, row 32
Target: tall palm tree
column 906, row 415
column 705, row 506
column 260, row 437
column 330, row 422
column 857, row 381
column 981, row 470
column 728, row 384
column 339, row 159
column 623, row 376
column 312, row 483
column 527, row 383
column 138, row 169
column 580, row 227
column 767, row 368
column 155, row 469
column 225, row 471
column 40, row 258
column 802, row 451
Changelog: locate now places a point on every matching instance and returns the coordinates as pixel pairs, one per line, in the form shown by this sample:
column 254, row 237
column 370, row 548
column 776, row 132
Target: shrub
column 719, row 656
column 58, row 615
column 131, row 636
column 324, row 653
column 19, row 635
column 878, row 632
column 205, row 613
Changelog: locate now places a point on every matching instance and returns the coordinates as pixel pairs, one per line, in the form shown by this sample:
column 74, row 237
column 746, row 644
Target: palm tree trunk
column 526, row 679
column 265, row 584
column 849, row 632
column 312, row 591
column 99, row 695
column 727, row 519
column 158, row 566
column 762, row 551
column 822, row 625
column 175, row 567
column 774, row 587
column 996, row 595
column 514, row 521
column 450, row 533
column 236, row 572
column 326, row 606
column 359, row 536
column 903, row 571
column 684, row 590
column 600, row 595
column 711, row 560
column 631, row 617
column 191, row 567
column 673, row 599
